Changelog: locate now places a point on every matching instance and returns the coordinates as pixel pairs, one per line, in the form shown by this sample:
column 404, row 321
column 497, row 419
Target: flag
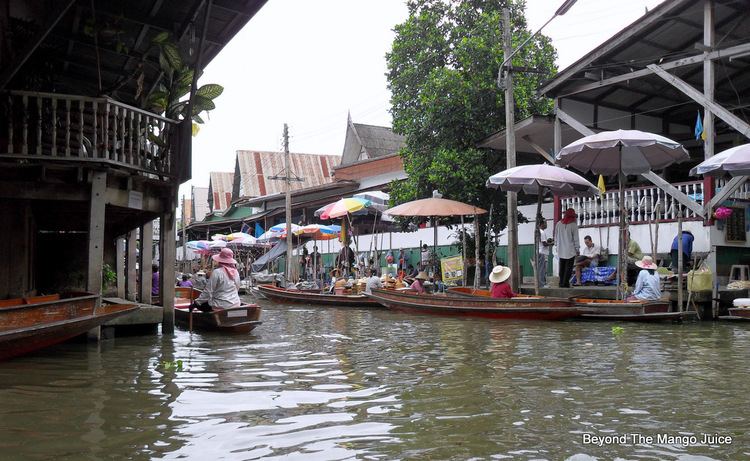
column 258, row 230
column 699, row 128
column 245, row 228
column 600, row 185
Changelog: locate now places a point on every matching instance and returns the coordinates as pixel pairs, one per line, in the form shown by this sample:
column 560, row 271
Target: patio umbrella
column 537, row 180
column 345, row 206
column 735, row 161
column 242, row 241
column 623, row 152
column 434, row 207
column 238, row 235
column 319, row 231
column 281, row 229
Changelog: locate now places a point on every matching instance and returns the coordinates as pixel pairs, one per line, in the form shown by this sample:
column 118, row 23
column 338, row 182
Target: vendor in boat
column 500, row 286
column 345, row 259
column 200, row 280
column 186, row 283
column 222, row 288
column 418, row 284
column 373, row 281
column 647, row 284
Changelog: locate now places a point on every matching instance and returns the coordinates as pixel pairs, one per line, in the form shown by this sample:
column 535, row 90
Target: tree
column 442, row 73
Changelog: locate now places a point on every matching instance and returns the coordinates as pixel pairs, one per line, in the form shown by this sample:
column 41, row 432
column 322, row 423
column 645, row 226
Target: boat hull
column 242, row 319
column 609, row 309
column 27, row 328
column 526, row 308
column 282, row 295
column 739, row 313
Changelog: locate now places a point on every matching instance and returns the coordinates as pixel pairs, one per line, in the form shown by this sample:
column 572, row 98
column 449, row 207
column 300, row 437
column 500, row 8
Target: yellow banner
column 452, row 268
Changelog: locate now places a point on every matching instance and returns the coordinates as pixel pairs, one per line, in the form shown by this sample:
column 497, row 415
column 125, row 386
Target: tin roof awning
column 534, row 136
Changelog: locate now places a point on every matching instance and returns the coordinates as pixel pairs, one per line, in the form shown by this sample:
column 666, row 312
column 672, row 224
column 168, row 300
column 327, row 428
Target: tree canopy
column 442, row 73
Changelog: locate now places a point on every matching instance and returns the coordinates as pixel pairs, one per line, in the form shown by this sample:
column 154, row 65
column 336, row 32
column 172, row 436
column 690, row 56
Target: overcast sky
column 307, row 63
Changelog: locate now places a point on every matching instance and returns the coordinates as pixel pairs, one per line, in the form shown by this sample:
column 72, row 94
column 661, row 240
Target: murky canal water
column 328, row 384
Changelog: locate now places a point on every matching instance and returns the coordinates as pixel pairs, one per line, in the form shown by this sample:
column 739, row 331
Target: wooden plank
column 662, row 184
column 687, row 61
column 573, row 123
column 539, row 150
column 728, row 117
column 96, row 232
column 709, row 77
column 145, row 262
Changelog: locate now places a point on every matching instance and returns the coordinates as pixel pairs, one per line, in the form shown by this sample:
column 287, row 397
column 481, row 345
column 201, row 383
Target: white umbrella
column 623, row 152
column 537, row 180
column 735, row 161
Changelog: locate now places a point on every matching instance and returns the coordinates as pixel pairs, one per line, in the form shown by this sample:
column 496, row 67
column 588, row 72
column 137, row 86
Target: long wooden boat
column 282, row 295
column 530, row 308
column 611, row 309
column 739, row 313
column 31, row 324
column 241, row 319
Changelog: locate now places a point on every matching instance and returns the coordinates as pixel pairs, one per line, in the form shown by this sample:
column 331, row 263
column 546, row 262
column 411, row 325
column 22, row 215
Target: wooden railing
column 78, row 128
column 642, row 205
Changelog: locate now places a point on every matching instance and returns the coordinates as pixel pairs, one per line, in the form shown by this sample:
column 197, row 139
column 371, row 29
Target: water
column 329, row 384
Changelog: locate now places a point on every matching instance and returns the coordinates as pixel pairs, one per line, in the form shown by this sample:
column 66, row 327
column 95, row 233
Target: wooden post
column 96, row 240
column 120, row 267
column 622, row 258
column 166, row 268
column 680, row 285
column 510, row 153
column 463, row 249
column 477, row 238
column 537, row 236
column 131, row 254
column 146, row 259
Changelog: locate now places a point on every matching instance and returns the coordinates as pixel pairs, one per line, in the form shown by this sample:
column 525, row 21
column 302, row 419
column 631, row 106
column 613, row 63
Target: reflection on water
column 329, row 383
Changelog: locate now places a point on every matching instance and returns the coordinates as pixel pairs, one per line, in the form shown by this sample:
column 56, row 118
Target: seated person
column 373, row 281
column 500, row 287
column 222, row 287
column 418, row 284
column 185, row 283
column 589, row 257
column 647, row 285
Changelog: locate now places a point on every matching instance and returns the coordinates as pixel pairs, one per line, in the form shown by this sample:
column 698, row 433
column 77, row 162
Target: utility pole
column 510, row 152
column 184, row 234
column 288, row 178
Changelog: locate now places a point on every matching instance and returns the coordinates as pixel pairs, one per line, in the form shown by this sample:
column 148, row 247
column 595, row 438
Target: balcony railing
column 78, row 128
column 642, row 205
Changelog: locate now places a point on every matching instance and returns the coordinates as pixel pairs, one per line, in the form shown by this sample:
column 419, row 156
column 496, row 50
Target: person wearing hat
column 418, row 284
column 687, row 250
column 185, row 283
column 200, row 280
column 500, row 286
column 568, row 245
column 647, row 283
column 222, row 288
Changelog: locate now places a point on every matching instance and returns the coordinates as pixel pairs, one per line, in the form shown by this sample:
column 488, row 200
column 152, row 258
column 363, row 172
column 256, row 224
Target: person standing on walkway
column 568, row 245
column 545, row 244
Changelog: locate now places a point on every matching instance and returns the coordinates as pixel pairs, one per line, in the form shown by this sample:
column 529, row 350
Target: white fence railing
column 743, row 193
column 68, row 127
column 642, row 204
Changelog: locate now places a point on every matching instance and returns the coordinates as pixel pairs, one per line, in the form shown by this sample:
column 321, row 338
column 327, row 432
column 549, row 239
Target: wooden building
column 84, row 161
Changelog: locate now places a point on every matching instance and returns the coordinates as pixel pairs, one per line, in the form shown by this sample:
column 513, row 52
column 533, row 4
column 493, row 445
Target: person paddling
column 222, row 287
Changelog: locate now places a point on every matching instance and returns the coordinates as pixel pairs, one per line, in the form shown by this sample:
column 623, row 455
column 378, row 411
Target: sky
column 310, row 63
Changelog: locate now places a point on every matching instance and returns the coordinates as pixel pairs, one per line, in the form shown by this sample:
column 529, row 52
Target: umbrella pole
column 478, row 269
column 622, row 256
column 434, row 247
column 679, row 259
column 537, row 236
column 463, row 250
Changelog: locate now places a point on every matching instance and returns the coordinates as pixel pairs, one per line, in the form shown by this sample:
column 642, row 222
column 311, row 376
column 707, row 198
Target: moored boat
column 282, row 295
column 527, row 307
column 739, row 313
column 612, row 309
column 33, row 323
column 241, row 319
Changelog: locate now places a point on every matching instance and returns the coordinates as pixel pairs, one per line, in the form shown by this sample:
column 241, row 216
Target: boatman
column 500, row 287
column 222, row 288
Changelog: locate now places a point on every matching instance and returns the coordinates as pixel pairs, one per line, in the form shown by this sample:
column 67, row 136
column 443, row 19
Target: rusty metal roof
column 254, row 168
column 220, row 190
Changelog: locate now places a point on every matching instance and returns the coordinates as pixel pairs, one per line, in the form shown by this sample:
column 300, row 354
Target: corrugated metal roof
column 220, row 186
column 256, row 166
column 200, row 202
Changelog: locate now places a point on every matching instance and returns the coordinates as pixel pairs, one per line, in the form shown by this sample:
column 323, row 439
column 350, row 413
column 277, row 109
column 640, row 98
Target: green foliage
column 617, row 331
column 442, row 73
column 109, row 276
column 175, row 365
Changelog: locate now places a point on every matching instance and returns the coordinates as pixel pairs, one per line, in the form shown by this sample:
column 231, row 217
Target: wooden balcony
column 67, row 128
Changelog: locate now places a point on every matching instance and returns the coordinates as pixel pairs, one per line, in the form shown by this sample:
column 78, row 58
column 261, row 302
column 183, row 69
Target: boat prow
column 284, row 296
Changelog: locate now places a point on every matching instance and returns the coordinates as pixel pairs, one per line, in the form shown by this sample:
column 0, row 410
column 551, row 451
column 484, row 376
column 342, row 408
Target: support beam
column 145, row 262
column 539, row 150
column 662, row 184
column 709, row 77
column 131, row 255
column 166, row 269
column 120, row 266
column 96, row 241
column 723, row 194
column 573, row 123
column 688, row 61
column 728, row 117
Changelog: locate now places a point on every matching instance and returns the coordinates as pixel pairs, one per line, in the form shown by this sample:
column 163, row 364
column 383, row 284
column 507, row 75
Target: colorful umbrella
column 218, row 237
column 217, row 244
column 198, row 244
column 343, row 207
column 319, row 231
column 238, row 235
column 281, row 228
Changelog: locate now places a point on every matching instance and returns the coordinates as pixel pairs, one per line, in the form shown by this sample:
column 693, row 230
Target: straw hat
column 422, row 276
column 200, row 272
column 335, row 273
column 646, row 263
column 226, row 256
column 499, row 274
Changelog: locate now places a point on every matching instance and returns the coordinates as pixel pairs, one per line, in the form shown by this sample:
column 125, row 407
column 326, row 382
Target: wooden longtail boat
column 241, row 319
column 30, row 324
column 738, row 313
column 612, row 309
column 530, row 308
column 282, row 295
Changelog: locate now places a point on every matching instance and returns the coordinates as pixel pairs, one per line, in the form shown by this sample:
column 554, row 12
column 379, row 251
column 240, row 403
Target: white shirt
column 221, row 291
column 543, row 237
column 373, row 282
column 592, row 252
column 566, row 239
